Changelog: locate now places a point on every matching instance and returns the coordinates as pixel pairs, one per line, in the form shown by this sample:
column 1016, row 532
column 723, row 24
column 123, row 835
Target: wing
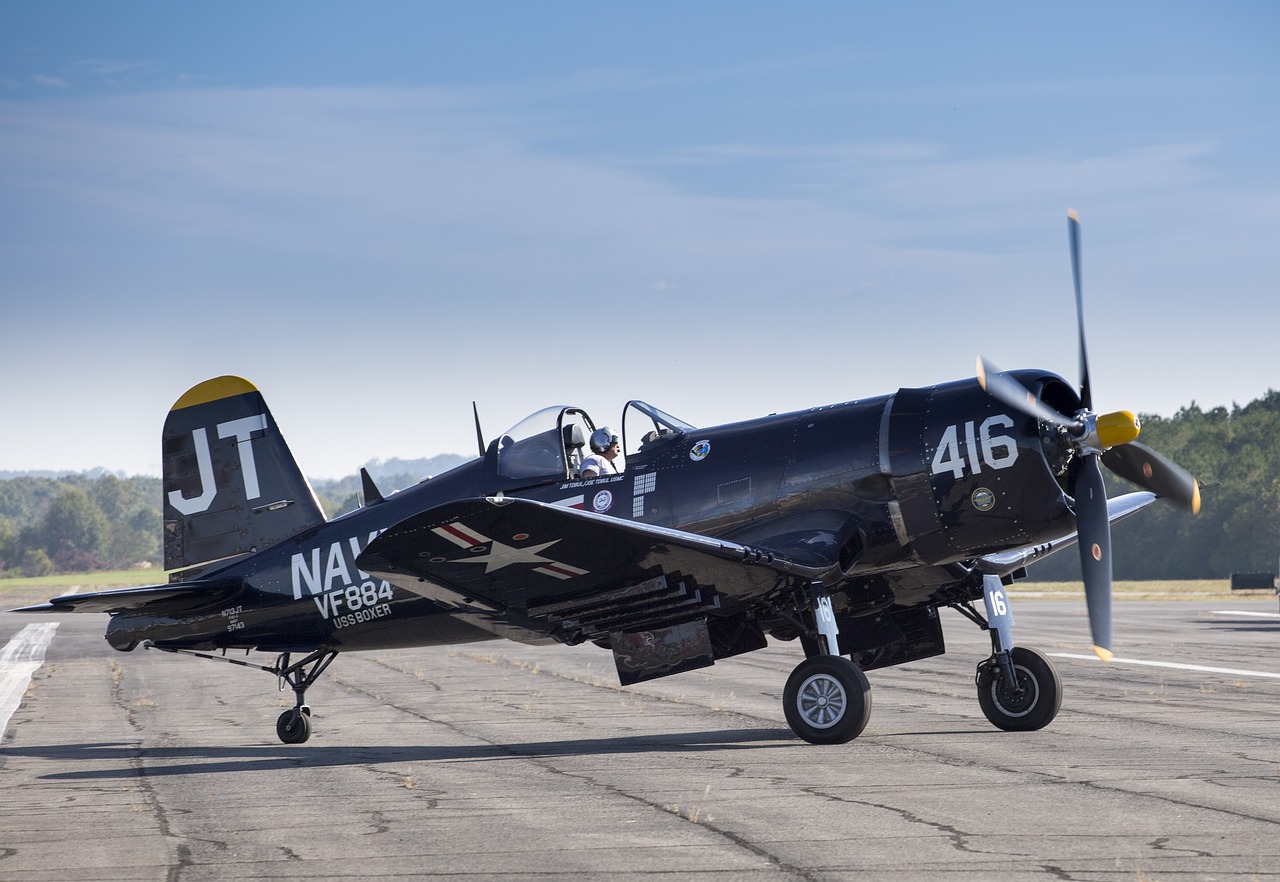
column 575, row 575
column 156, row 599
column 1118, row 509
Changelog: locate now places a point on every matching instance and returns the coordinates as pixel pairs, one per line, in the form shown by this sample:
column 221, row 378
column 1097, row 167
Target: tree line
column 94, row 521
column 83, row 522
column 1235, row 452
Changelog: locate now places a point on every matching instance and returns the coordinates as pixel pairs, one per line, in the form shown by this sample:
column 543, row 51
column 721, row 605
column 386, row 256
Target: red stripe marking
column 465, row 535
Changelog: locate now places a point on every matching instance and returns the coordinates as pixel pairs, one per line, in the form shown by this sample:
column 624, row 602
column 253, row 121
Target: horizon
column 380, row 465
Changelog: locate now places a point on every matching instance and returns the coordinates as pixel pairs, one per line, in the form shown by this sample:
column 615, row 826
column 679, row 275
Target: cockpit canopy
column 549, row 445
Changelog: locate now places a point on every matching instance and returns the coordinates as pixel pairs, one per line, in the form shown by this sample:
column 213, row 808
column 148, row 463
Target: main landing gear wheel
column 1030, row 704
column 827, row 700
column 294, row 725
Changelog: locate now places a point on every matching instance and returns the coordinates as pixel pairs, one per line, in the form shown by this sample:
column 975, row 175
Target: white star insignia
column 501, row 555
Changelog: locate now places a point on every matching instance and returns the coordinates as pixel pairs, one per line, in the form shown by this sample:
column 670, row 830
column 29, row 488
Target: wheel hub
column 821, row 701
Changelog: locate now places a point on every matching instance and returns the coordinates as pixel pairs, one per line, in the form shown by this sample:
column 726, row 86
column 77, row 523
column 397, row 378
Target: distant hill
column 341, row 495
column 387, row 469
column 92, row 474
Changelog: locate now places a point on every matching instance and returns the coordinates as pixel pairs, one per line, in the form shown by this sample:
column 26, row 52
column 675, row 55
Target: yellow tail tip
column 214, row 390
column 1104, row 654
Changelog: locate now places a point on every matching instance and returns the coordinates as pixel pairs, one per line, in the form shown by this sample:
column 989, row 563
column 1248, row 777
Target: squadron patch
column 983, row 499
column 602, row 502
column 700, row 451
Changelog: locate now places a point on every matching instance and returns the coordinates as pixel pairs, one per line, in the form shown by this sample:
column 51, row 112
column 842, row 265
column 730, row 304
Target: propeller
column 1107, row 438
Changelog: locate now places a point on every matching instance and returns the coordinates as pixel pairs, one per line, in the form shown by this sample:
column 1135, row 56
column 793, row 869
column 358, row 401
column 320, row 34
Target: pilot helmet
column 602, row 439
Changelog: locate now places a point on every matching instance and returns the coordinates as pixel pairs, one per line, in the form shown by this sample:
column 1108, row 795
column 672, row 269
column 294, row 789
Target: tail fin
column 231, row 486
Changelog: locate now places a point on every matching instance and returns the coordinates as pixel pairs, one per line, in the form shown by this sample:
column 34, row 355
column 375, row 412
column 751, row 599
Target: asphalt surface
column 498, row 761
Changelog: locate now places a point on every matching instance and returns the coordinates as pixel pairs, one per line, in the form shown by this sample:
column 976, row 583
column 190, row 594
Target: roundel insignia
column 983, row 499
column 603, row 501
column 700, row 451
column 1097, row 552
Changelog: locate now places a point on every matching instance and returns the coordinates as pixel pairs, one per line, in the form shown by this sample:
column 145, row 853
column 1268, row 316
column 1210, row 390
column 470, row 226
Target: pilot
column 606, row 455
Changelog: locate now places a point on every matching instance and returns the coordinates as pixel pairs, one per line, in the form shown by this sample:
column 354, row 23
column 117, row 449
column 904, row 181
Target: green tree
column 35, row 562
column 8, row 544
column 74, row 532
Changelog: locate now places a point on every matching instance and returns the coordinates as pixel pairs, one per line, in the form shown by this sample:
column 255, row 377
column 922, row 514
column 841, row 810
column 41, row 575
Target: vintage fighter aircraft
column 847, row 527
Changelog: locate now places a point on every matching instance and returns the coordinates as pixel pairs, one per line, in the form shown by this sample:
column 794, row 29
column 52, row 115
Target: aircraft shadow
column 262, row 758
column 1247, row 628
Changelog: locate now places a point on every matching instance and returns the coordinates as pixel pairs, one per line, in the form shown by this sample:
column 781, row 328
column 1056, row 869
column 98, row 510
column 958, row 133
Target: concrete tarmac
column 499, row 761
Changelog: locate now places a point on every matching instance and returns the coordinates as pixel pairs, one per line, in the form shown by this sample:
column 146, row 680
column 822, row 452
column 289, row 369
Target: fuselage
column 889, row 494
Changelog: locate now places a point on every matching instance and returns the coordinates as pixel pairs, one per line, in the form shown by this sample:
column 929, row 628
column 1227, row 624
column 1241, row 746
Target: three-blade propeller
column 1108, row 438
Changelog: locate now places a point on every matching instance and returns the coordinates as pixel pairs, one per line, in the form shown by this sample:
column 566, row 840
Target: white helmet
column 602, row 439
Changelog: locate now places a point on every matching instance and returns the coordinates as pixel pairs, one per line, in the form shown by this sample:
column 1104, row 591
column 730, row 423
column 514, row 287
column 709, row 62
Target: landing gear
column 1019, row 689
column 294, row 725
column 1029, row 700
column 827, row 699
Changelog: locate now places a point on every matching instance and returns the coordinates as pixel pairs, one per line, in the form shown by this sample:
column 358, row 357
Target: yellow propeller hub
column 1117, row 428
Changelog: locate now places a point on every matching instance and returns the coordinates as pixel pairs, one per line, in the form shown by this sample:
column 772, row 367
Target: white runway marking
column 1234, row 672
column 22, row 656
column 1240, row 612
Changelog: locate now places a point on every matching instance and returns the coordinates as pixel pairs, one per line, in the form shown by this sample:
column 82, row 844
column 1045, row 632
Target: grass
column 87, row 581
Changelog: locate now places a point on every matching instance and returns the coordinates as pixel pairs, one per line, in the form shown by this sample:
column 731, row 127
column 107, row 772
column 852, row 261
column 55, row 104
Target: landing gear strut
column 1019, row 689
column 294, row 725
column 827, row 699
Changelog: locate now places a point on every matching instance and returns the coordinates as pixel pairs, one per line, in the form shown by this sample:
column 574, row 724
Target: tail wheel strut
column 294, row 725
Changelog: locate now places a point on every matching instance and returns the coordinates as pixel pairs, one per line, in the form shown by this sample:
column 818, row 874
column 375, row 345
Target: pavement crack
column 777, row 863
column 138, row 767
column 958, row 838
column 1162, row 844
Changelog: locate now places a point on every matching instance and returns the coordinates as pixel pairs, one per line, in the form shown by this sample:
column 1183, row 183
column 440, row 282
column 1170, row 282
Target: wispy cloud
column 365, row 227
column 49, row 82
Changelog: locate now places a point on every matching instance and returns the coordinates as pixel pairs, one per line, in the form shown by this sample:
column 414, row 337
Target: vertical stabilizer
column 231, row 485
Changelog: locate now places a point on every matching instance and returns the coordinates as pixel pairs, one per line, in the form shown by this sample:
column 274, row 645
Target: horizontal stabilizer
column 153, row 599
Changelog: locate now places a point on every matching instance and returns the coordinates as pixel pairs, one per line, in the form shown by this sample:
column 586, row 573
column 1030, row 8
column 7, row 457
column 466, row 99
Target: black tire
column 827, row 700
column 293, row 727
column 1038, row 704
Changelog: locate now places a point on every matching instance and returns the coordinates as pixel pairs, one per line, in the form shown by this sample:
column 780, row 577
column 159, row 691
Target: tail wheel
column 827, row 700
column 294, row 726
column 1030, row 704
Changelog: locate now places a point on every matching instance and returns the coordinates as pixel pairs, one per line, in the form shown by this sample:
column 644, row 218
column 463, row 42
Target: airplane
column 845, row 527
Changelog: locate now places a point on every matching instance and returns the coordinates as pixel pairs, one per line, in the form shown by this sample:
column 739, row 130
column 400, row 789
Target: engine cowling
column 971, row 475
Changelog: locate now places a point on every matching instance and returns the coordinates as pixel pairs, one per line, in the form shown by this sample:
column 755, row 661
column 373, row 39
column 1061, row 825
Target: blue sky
column 380, row 212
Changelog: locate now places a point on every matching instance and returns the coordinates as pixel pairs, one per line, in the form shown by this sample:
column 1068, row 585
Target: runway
column 498, row 761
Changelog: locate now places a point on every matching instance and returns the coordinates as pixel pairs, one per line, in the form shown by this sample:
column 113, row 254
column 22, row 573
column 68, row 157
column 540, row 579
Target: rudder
column 231, row 485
